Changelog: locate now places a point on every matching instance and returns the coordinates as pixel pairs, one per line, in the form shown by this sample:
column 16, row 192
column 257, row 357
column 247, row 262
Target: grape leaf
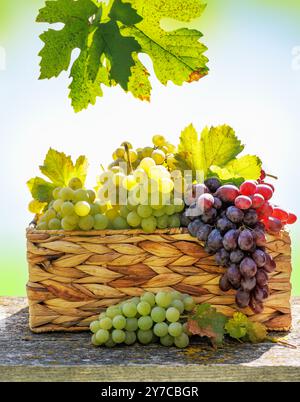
column 237, row 326
column 216, row 154
column 219, row 145
column 206, row 321
column 110, row 37
column 241, row 328
column 188, row 153
column 60, row 169
column 41, row 190
column 247, row 167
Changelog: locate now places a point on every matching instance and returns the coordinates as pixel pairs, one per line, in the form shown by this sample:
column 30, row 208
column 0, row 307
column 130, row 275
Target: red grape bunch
column 232, row 222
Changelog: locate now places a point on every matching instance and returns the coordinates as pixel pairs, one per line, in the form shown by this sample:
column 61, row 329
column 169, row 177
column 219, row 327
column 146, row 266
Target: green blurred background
column 253, row 85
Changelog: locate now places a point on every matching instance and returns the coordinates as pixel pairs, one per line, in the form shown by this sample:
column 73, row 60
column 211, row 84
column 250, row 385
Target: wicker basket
column 73, row 276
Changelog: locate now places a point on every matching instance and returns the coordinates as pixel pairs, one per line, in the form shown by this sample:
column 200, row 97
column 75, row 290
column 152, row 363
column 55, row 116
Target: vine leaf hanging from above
column 111, row 36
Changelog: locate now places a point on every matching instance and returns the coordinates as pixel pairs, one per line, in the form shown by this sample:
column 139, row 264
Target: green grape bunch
column 146, row 319
column 72, row 208
column 162, row 152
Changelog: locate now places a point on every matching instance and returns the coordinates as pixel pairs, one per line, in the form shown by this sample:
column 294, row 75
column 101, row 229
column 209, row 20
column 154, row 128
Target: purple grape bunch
column 235, row 237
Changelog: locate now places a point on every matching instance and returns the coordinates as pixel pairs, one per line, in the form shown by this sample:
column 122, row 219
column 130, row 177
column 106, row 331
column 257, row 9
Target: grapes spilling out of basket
column 146, row 319
column 232, row 222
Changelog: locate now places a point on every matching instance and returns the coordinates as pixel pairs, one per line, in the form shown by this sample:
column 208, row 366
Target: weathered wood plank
column 72, row 358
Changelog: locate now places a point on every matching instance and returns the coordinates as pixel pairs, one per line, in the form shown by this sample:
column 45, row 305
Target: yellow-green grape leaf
column 236, row 327
column 219, row 145
column 177, row 55
column 40, row 189
column 36, row 207
column 207, row 321
column 139, row 84
column 188, row 154
column 59, row 168
column 247, row 167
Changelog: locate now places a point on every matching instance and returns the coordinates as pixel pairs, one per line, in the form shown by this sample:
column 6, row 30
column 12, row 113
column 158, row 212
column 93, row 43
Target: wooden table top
column 25, row 356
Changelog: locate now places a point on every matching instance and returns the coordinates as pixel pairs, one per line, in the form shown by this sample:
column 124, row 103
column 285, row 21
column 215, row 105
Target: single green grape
column 144, row 211
column 178, row 304
column 174, row 221
column 75, row 183
column 135, row 300
column 67, row 208
column 158, row 140
column 163, row 222
column 95, row 209
column 182, row 341
column 149, row 224
column 120, row 152
column 124, row 211
column 129, row 309
column 145, row 337
column 105, row 323
column 133, row 219
column 86, row 222
column 158, row 156
column 167, row 340
column 179, row 205
column 55, row 193
column 80, row 195
column 160, row 329
column 66, row 194
column 110, row 343
column 119, row 322
column 50, row 214
column 175, row 329
column 113, row 311
column 82, row 208
column 147, row 163
column 91, row 195
column 100, row 222
column 102, row 336
column 144, row 308
column 70, row 222
column 189, row 303
column 145, row 322
column 149, row 298
column 172, row 314
column 158, row 314
column 57, row 205
column 163, row 299
column 129, row 182
column 147, row 152
column 120, row 223
column 95, row 326
column 166, row 185
column 42, row 226
column 118, row 336
column 54, row 224
column 176, row 295
column 102, row 315
column 94, row 341
column 130, row 337
column 131, row 324
column 170, row 209
column 158, row 213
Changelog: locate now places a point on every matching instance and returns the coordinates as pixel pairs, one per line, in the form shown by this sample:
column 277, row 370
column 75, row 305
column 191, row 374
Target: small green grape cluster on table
column 146, row 319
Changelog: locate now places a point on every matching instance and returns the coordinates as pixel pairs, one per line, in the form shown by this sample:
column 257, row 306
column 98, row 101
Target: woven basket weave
column 73, row 276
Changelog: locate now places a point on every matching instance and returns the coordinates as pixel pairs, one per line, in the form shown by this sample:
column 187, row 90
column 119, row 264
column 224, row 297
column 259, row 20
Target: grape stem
column 281, row 342
column 272, row 176
column 128, row 158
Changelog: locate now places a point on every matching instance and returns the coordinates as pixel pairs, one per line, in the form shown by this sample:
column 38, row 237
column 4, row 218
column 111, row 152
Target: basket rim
column 139, row 231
